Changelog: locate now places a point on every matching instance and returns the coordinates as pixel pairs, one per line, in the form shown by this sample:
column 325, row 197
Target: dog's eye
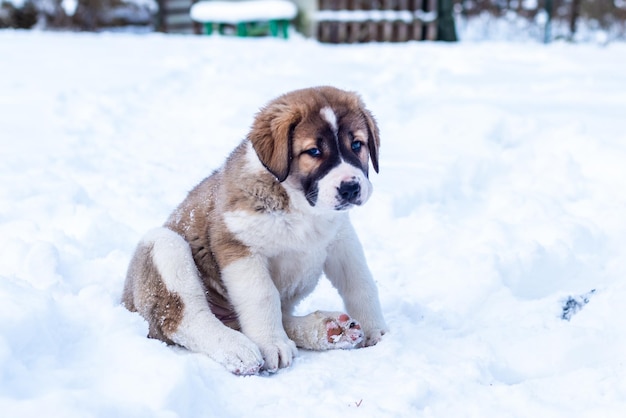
column 356, row 146
column 314, row 152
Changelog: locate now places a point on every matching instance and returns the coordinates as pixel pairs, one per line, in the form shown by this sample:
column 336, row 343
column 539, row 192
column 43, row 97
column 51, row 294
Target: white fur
column 273, row 234
column 329, row 116
column 257, row 302
column 347, row 270
column 294, row 247
column 253, row 164
column 344, row 172
column 199, row 329
column 293, row 250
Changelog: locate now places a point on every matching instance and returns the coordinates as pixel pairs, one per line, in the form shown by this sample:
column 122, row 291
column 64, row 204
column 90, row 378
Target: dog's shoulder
column 248, row 186
column 197, row 208
column 241, row 184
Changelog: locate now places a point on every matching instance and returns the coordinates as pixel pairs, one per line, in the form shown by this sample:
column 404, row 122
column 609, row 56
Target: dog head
column 319, row 140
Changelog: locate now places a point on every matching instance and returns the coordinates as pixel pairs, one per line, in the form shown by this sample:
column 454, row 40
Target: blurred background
column 384, row 20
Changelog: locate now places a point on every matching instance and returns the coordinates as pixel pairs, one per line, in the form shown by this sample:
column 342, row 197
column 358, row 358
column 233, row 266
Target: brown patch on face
column 353, row 131
column 161, row 308
column 307, row 137
column 273, row 131
column 271, row 136
column 359, row 135
column 374, row 135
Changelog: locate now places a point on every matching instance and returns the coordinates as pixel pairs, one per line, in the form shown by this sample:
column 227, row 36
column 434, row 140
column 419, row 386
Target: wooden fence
column 338, row 21
column 350, row 21
column 173, row 16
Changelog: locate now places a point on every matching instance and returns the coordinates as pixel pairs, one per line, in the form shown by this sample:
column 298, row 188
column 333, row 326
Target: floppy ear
column 373, row 142
column 271, row 137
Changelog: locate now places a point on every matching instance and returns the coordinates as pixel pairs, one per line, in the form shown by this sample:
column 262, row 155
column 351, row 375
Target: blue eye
column 314, row 152
column 356, row 146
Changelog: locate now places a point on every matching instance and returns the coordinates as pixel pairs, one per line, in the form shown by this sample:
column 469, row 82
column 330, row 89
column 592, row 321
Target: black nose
column 349, row 191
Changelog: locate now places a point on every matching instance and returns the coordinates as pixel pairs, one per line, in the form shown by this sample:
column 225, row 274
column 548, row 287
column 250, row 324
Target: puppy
column 223, row 275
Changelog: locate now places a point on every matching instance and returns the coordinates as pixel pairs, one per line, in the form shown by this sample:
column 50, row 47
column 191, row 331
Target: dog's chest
column 273, row 234
column 295, row 274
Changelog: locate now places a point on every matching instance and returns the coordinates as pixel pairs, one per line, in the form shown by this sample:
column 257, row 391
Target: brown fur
column 273, row 129
column 161, row 303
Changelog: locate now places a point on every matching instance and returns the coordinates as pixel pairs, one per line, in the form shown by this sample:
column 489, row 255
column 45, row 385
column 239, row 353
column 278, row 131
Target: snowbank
column 501, row 195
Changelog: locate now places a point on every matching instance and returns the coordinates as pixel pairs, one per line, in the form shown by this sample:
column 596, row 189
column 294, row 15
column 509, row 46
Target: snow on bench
column 249, row 17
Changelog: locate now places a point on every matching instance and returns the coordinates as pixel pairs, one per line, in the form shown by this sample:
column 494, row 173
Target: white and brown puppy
column 224, row 273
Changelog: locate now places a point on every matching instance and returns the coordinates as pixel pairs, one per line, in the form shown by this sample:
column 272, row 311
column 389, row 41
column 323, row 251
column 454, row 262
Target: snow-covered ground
column 502, row 192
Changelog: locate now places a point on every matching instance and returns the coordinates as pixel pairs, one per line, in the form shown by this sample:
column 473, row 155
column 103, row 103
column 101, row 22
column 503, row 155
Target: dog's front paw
column 373, row 336
column 342, row 331
column 278, row 352
column 239, row 355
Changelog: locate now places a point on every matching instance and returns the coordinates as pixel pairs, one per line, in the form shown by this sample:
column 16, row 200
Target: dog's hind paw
column 342, row 331
column 322, row 330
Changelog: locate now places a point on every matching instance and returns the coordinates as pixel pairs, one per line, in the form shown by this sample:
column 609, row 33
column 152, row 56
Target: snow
column 500, row 200
column 69, row 6
column 375, row 15
column 242, row 11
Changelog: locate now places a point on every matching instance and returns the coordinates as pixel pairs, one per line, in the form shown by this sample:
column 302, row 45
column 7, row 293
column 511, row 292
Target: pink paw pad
column 343, row 332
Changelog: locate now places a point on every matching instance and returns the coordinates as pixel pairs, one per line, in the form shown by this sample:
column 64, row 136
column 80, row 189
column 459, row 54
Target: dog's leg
column 347, row 270
column 257, row 302
column 322, row 330
column 164, row 287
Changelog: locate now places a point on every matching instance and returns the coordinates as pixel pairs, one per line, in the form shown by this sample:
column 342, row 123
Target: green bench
column 250, row 18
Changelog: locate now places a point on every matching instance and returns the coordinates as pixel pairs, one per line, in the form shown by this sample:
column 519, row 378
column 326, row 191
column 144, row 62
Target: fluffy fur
column 224, row 273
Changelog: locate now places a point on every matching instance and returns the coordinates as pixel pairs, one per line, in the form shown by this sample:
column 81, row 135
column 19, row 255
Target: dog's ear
column 373, row 142
column 271, row 137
